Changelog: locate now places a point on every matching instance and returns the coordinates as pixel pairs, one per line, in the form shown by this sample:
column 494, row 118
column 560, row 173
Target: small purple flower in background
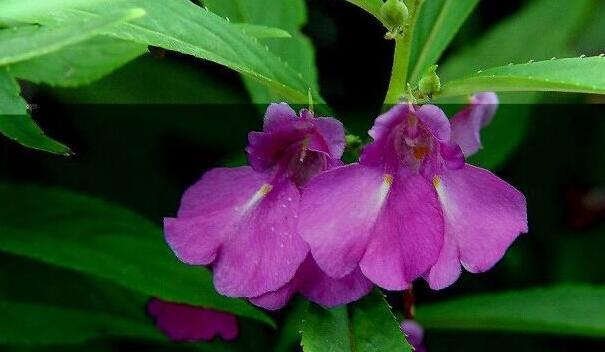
column 187, row 323
column 243, row 220
column 414, row 334
column 411, row 206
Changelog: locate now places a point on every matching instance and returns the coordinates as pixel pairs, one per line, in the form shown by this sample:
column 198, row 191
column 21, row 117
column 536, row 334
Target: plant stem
column 401, row 59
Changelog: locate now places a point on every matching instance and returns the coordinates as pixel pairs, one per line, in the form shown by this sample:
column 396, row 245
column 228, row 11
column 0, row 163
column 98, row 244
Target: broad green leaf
column 575, row 75
column 289, row 334
column 565, row 310
column 97, row 238
column 438, row 23
column 180, row 25
column 297, row 51
column 515, row 39
column 364, row 326
column 27, row 323
column 27, row 42
column 79, row 64
column 15, row 122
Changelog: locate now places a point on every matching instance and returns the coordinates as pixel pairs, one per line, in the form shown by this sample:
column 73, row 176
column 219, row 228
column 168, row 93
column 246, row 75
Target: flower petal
column 277, row 299
column 187, row 323
column 262, row 251
column 435, row 121
column 278, row 117
column 333, row 136
column 207, row 210
column 467, row 124
column 415, row 334
column 338, row 210
column 322, row 289
column 407, row 236
column 483, row 215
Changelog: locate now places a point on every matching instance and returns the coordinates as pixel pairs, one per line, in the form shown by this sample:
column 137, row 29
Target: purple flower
column 467, row 124
column 187, row 323
column 243, row 220
column 410, row 207
column 414, row 334
column 318, row 287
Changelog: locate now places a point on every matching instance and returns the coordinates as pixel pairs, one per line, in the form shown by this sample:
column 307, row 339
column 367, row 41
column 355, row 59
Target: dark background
column 143, row 156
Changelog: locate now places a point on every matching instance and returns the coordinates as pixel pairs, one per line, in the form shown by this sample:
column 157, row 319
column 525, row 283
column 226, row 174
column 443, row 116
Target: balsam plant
column 299, row 227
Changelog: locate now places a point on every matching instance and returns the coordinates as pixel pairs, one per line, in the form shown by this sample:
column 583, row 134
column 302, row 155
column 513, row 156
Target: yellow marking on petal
column 436, row 182
column 258, row 196
column 385, row 187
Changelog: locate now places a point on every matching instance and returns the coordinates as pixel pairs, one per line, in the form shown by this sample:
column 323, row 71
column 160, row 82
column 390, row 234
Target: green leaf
column 94, row 237
column 438, row 23
column 262, row 32
column 180, row 25
column 27, row 42
column 27, row 323
column 16, row 124
column 565, row 310
column 367, row 326
column 575, row 75
column 515, row 40
column 79, row 64
column 297, row 51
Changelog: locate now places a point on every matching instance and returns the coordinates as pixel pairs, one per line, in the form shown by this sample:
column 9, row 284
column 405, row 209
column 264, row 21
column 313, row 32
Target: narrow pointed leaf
column 15, row 122
column 101, row 239
column 565, row 310
column 439, row 22
column 575, row 75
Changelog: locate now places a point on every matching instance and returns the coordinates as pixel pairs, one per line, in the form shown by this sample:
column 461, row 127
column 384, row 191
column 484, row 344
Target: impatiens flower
column 316, row 286
column 186, row 323
column 410, row 207
column 467, row 124
column 414, row 334
column 243, row 220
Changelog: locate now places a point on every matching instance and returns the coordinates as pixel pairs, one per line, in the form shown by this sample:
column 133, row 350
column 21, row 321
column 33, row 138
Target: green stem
column 401, row 59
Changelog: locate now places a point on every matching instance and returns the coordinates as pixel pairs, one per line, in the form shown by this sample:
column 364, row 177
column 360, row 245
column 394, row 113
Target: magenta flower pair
column 298, row 220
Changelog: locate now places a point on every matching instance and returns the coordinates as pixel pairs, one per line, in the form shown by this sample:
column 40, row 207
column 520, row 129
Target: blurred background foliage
column 143, row 156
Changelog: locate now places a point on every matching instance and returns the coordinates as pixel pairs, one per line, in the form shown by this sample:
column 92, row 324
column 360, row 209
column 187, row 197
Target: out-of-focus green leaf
column 94, row 237
column 180, row 25
column 438, row 23
column 263, row 32
column 15, row 122
column 565, row 310
column 79, row 64
column 289, row 335
column 28, row 323
column 297, row 51
column 367, row 326
column 574, row 75
column 28, row 42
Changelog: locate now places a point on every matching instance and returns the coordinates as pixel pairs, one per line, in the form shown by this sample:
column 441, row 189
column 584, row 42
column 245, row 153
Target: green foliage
column 565, row 310
column 182, row 26
column 97, row 238
column 24, row 323
column 439, row 22
column 16, row 124
column 365, row 326
column 576, row 75
column 79, row 64
column 28, row 42
column 297, row 51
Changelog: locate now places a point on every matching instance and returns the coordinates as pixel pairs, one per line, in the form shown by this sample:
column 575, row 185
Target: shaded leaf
column 565, row 310
column 94, row 237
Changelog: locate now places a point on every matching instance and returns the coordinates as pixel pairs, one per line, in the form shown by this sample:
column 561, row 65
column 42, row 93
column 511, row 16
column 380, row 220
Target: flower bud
column 430, row 83
column 395, row 15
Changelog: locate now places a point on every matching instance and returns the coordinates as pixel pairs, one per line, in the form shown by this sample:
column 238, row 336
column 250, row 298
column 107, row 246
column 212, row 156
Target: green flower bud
column 395, row 15
column 430, row 83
